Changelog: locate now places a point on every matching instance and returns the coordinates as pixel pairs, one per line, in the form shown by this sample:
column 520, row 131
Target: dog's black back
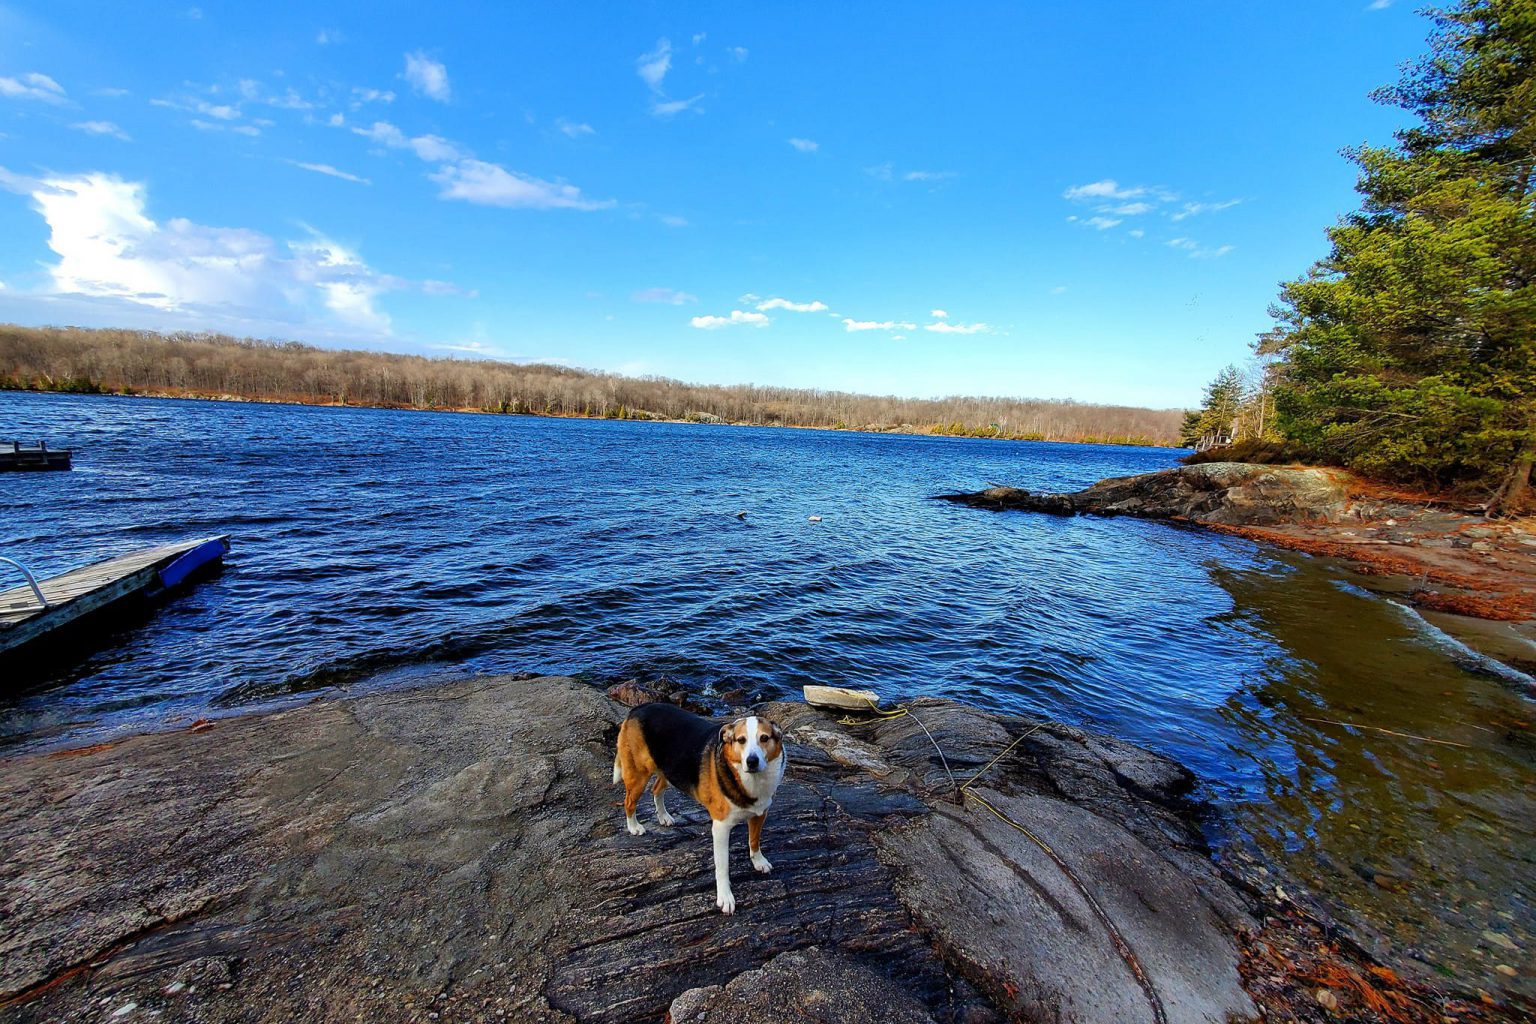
column 677, row 741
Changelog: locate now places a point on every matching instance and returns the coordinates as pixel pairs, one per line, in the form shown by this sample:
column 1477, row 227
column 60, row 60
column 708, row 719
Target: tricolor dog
column 732, row 768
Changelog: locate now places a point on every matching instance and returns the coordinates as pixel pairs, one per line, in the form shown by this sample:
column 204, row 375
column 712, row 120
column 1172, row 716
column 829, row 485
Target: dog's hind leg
column 662, row 817
column 634, row 785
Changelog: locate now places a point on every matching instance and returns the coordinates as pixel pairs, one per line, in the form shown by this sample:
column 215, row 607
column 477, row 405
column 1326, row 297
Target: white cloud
column 737, row 53
column 653, row 67
column 478, row 181
column 435, row 149
column 488, row 184
column 1136, row 233
column 327, row 36
column 938, row 314
column 361, row 96
column 673, row 221
column 669, row 296
column 1379, row 5
column 101, row 128
column 222, row 111
column 32, row 86
column 1106, row 189
column 804, row 145
column 110, row 92
column 385, row 134
column 1059, row 290
column 1101, row 223
column 1197, row 251
column 1192, row 209
column 108, row 247
column 1131, row 209
column 877, row 325
column 943, row 328
column 927, row 175
column 737, row 317
column 574, row 129
column 814, row 306
column 337, row 120
column 669, row 108
column 427, row 76
column 331, row 171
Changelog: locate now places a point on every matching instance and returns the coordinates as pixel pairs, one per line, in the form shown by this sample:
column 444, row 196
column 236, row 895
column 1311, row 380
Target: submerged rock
column 1224, row 493
column 457, row 853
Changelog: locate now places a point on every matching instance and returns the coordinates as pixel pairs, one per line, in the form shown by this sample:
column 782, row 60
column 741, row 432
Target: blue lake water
column 375, row 545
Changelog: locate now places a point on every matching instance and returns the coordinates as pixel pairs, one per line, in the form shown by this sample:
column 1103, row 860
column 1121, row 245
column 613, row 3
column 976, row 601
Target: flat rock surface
column 457, row 853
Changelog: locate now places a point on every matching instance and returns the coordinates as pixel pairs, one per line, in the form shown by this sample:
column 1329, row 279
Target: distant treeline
column 217, row 366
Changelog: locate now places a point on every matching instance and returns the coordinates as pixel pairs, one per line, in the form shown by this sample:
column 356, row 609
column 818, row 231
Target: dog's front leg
column 755, row 843
column 724, row 898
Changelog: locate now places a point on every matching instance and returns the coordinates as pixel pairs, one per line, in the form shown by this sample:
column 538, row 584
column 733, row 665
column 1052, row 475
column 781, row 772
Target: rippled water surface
column 371, row 543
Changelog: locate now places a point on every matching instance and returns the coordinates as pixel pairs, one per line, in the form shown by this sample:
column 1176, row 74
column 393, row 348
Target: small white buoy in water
column 815, row 519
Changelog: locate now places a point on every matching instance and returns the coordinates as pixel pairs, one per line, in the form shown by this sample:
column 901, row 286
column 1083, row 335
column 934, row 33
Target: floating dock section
column 40, row 609
column 15, row 457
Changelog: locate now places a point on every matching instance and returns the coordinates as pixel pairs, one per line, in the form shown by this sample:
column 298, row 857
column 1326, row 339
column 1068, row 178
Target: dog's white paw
column 663, row 818
column 726, row 901
column 761, row 863
column 634, row 826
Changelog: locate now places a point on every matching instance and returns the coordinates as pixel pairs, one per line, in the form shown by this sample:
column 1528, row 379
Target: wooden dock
column 39, row 458
column 73, row 596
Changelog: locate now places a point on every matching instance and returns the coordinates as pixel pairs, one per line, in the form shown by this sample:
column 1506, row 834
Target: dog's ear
column 725, row 732
column 778, row 733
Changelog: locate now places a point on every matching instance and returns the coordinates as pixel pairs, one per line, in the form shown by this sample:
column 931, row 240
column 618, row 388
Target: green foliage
column 1409, row 352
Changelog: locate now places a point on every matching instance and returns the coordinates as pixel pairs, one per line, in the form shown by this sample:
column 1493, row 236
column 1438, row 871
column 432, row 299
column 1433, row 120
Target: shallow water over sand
column 374, row 544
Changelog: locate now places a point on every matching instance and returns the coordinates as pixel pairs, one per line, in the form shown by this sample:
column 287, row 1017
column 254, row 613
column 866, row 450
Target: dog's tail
column 618, row 773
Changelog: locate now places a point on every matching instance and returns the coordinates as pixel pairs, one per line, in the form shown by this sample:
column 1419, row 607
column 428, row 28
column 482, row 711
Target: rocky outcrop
column 456, row 853
column 1221, row 493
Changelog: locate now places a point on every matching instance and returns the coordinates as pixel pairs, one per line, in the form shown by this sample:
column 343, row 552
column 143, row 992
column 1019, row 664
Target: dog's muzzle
column 754, row 763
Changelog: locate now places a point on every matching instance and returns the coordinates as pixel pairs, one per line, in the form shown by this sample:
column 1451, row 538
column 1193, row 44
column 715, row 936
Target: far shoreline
column 229, row 399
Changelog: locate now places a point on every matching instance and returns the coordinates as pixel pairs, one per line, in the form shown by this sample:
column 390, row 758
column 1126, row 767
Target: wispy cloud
column 574, row 129
column 427, row 76
column 938, row 314
column 947, row 328
column 670, row 108
column 327, row 169
column 814, row 306
column 1196, row 250
column 1106, row 189
column 804, row 145
column 888, row 172
column 101, row 128
column 653, row 67
column 1101, row 223
column 32, row 86
column 667, row 296
column 488, row 184
column 478, row 181
column 1193, row 209
column 851, row 325
column 737, row 53
column 736, row 319
column 361, row 96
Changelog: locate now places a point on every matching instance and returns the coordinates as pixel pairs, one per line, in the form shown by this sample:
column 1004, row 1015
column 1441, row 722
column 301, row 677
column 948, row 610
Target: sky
column 1093, row 201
